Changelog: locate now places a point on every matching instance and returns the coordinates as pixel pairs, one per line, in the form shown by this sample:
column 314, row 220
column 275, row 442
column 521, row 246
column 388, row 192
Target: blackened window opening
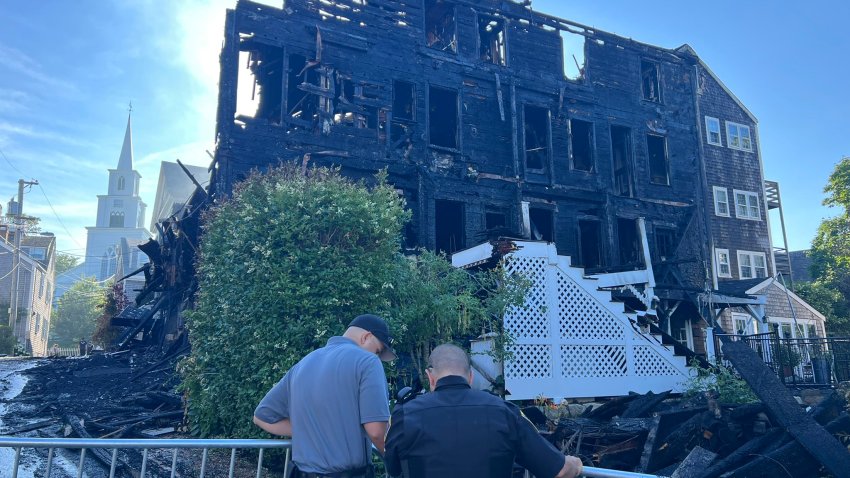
column 344, row 108
column 491, row 40
column 590, row 243
column 264, row 68
column 658, row 165
column 621, row 147
column 301, row 106
column 665, row 243
column 536, row 137
column 449, row 226
column 629, row 242
column 403, row 100
column 649, row 81
column 495, row 219
column 440, row 25
column 581, row 140
column 542, row 224
column 442, row 117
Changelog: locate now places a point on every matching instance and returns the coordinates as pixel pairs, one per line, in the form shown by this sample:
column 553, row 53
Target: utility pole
column 16, row 258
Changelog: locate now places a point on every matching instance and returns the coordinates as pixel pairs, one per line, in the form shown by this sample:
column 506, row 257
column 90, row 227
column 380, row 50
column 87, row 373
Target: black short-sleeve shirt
column 459, row 432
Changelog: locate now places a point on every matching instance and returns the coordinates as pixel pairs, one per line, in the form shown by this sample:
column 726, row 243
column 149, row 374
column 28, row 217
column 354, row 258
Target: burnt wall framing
column 468, row 103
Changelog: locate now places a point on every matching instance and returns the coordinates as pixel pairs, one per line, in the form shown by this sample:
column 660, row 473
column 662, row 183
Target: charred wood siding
column 362, row 89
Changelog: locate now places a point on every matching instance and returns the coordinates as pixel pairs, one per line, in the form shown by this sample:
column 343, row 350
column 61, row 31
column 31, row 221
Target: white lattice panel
column 649, row 363
column 581, row 316
column 593, row 361
column 530, row 362
column 529, row 321
column 592, row 350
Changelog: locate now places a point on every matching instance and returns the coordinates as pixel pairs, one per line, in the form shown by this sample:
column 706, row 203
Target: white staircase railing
column 571, row 340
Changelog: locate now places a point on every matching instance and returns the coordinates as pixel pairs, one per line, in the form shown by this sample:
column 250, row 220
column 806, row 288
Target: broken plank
column 696, row 461
column 791, row 459
column 31, row 427
column 782, row 406
column 744, row 453
column 649, row 445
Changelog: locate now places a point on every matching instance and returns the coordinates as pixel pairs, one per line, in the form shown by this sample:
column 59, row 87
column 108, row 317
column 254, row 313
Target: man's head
column 445, row 360
column 371, row 333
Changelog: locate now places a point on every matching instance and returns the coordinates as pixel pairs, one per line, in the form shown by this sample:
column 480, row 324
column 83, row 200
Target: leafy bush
column 433, row 302
column 720, row 379
column 288, row 261
column 284, row 264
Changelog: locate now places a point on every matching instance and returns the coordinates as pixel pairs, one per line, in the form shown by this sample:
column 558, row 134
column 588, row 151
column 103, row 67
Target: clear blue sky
column 69, row 69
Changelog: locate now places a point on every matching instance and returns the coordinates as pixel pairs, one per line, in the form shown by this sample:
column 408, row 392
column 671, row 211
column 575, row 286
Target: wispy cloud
column 21, row 130
column 17, row 61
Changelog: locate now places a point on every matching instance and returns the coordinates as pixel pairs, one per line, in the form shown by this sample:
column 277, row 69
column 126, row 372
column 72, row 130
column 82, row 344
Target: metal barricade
column 18, row 444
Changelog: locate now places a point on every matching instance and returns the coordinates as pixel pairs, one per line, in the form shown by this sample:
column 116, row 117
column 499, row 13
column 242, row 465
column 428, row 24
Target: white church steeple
column 120, row 213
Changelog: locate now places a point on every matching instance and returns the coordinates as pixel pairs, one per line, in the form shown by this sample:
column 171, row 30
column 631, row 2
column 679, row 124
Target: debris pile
column 127, row 394
column 693, row 437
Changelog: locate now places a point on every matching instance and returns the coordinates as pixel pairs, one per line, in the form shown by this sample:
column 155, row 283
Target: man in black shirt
column 459, row 432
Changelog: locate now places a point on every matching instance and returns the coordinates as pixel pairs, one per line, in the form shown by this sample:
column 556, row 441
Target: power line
column 57, row 215
column 10, row 163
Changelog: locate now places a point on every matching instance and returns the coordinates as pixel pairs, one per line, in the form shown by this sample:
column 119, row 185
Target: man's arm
column 282, row 427
column 572, row 467
column 377, row 431
column 394, row 446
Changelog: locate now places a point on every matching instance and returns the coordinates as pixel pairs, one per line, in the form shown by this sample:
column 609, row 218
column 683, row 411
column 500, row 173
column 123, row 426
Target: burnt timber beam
column 818, row 442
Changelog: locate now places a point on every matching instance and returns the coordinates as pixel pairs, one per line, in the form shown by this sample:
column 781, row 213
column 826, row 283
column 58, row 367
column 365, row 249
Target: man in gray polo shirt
column 333, row 403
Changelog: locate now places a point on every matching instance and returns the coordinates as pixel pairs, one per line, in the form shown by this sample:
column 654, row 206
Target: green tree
column 65, row 262
column 830, row 289
column 77, row 312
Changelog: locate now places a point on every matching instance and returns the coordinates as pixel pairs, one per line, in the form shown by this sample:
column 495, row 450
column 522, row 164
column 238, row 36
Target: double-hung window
column 712, row 129
column 738, row 136
column 724, row 269
column 747, row 205
column 721, row 201
column 752, row 265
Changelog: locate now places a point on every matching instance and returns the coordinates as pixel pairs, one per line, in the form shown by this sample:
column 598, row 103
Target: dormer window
column 121, row 183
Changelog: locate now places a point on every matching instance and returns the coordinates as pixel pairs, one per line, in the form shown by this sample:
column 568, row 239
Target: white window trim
column 751, row 325
column 748, row 217
column 717, row 262
column 708, row 131
column 752, row 255
column 729, row 136
column 717, row 212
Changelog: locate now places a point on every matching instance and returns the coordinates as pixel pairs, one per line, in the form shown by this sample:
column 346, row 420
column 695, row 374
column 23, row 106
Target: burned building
column 493, row 119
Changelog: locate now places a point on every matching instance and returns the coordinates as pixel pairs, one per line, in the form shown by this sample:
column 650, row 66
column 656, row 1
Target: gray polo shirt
column 328, row 396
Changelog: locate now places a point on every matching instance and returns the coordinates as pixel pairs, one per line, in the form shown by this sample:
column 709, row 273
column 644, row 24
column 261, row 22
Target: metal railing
column 87, row 444
column 814, row 361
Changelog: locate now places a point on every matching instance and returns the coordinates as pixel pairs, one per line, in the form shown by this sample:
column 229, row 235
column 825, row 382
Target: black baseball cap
column 378, row 327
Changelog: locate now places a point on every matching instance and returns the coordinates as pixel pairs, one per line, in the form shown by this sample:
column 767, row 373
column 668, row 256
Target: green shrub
column 288, row 261
column 284, row 264
column 729, row 387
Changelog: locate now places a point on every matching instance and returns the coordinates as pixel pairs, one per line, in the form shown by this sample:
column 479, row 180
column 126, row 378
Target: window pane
column 723, row 208
column 759, row 261
column 724, row 269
